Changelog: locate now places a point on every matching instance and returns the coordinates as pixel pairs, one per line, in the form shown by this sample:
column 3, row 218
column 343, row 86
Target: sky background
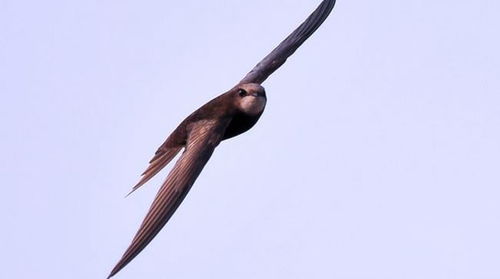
column 377, row 156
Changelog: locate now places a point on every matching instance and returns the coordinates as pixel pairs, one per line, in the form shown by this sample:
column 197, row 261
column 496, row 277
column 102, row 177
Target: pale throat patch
column 252, row 105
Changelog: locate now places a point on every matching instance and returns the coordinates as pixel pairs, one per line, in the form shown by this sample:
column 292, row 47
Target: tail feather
column 159, row 161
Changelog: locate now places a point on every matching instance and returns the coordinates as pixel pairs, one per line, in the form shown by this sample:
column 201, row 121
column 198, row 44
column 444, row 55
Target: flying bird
column 228, row 115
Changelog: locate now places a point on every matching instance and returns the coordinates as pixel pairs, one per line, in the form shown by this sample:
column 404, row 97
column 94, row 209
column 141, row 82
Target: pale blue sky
column 377, row 156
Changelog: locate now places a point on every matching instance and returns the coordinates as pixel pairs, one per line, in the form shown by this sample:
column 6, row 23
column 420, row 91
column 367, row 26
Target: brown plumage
column 226, row 116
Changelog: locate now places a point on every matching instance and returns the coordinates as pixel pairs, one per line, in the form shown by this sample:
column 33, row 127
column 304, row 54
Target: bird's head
column 250, row 98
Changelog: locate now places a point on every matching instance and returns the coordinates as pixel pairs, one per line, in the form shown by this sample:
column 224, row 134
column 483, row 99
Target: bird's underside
column 226, row 116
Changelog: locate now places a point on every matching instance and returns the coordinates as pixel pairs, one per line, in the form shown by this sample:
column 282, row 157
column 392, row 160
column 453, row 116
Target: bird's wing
column 287, row 47
column 203, row 137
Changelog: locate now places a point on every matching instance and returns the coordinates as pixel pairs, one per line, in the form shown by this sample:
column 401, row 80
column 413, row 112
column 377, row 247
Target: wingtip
column 290, row 44
column 114, row 271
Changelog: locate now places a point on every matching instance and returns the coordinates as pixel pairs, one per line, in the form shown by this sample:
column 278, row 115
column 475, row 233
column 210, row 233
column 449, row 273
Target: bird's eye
column 242, row 92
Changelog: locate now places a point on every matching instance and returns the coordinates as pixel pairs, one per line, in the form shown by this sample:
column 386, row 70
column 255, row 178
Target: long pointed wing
column 287, row 47
column 203, row 137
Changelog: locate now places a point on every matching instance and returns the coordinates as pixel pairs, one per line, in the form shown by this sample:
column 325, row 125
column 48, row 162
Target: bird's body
column 228, row 115
column 232, row 108
column 232, row 105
